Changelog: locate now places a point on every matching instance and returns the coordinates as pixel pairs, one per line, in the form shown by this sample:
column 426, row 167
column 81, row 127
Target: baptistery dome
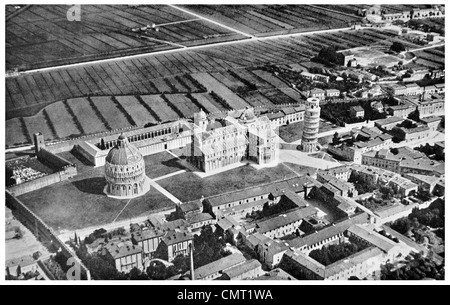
column 125, row 171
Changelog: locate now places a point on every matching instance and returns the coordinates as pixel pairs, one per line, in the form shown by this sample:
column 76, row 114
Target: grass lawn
column 161, row 164
column 302, row 170
column 188, row 186
column 292, row 132
column 80, row 202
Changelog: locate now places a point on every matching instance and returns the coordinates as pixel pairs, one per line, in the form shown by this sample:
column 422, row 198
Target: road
column 65, row 235
column 210, row 20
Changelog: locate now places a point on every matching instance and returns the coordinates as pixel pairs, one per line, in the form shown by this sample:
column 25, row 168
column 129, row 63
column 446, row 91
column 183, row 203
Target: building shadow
column 91, row 185
column 174, row 163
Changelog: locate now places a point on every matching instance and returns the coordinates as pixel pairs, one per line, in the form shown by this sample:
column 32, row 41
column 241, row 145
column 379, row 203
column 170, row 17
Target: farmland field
column 15, row 133
column 62, row 121
column 38, row 123
column 183, row 104
column 208, row 102
column 85, row 115
column 138, row 112
column 159, row 106
column 213, row 85
column 42, row 36
column 115, row 118
column 28, row 94
column 261, row 20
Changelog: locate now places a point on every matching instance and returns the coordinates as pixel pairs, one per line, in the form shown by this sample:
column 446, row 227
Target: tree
column 157, row 271
column 335, row 138
column 398, row 47
column 76, row 239
column 415, row 115
column 137, row 275
column 19, row 270
column 102, row 144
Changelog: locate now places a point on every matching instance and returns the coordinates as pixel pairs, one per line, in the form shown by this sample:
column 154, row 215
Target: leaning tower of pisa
column 311, row 125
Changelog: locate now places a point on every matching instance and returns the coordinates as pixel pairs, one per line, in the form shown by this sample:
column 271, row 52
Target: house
column 148, row 239
column 124, row 254
column 271, row 252
column 388, row 123
column 332, row 93
column 175, row 243
column 423, row 167
column 188, row 208
column 308, row 76
column 357, row 111
column 377, row 106
column 199, row 220
column 403, row 186
column 215, row 269
column 253, row 240
column 382, row 159
column 248, row 270
column 431, row 107
column 411, row 134
column 432, row 122
column 317, row 93
column 425, row 183
column 26, row 263
column 401, row 111
column 276, row 274
column 284, row 224
column 345, row 57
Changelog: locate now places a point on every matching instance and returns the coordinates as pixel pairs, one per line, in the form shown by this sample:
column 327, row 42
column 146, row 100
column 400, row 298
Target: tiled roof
column 278, row 221
column 220, row 265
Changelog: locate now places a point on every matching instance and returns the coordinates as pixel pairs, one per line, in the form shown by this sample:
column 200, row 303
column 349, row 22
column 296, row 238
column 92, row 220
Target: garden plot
column 38, row 123
column 14, row 133
column 62, row 121
column 213, row 85
column 85, row 115
column 184, row 104
column 115, row 118
column 137, row 112
column 207, row 102
column 160, row 107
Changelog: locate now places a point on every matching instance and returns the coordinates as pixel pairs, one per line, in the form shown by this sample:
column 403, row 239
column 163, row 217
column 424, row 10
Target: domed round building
column 125, row 171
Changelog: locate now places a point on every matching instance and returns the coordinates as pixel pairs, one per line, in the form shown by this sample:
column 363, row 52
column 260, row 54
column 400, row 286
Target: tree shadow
column 91, row 185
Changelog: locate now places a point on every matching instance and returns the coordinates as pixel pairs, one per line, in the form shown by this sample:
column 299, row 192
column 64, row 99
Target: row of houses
column 403, row 164
column 413, row 89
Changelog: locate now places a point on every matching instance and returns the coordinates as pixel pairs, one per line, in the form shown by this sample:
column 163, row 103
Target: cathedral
column 238, row 137
column 125, row 171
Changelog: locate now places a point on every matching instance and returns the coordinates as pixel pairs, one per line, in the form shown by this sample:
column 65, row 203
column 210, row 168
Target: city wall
column 40, row 229
column 65, row 170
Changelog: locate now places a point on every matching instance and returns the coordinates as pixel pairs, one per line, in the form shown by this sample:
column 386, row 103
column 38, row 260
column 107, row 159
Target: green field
column 188, row 186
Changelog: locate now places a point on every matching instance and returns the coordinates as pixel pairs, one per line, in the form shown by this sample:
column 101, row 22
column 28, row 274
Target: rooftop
column 122, row 249
column 278, row 221
column 173, row 237
column 240, row 269
column 276, row 274
column 220, row 265
column 379, row 241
